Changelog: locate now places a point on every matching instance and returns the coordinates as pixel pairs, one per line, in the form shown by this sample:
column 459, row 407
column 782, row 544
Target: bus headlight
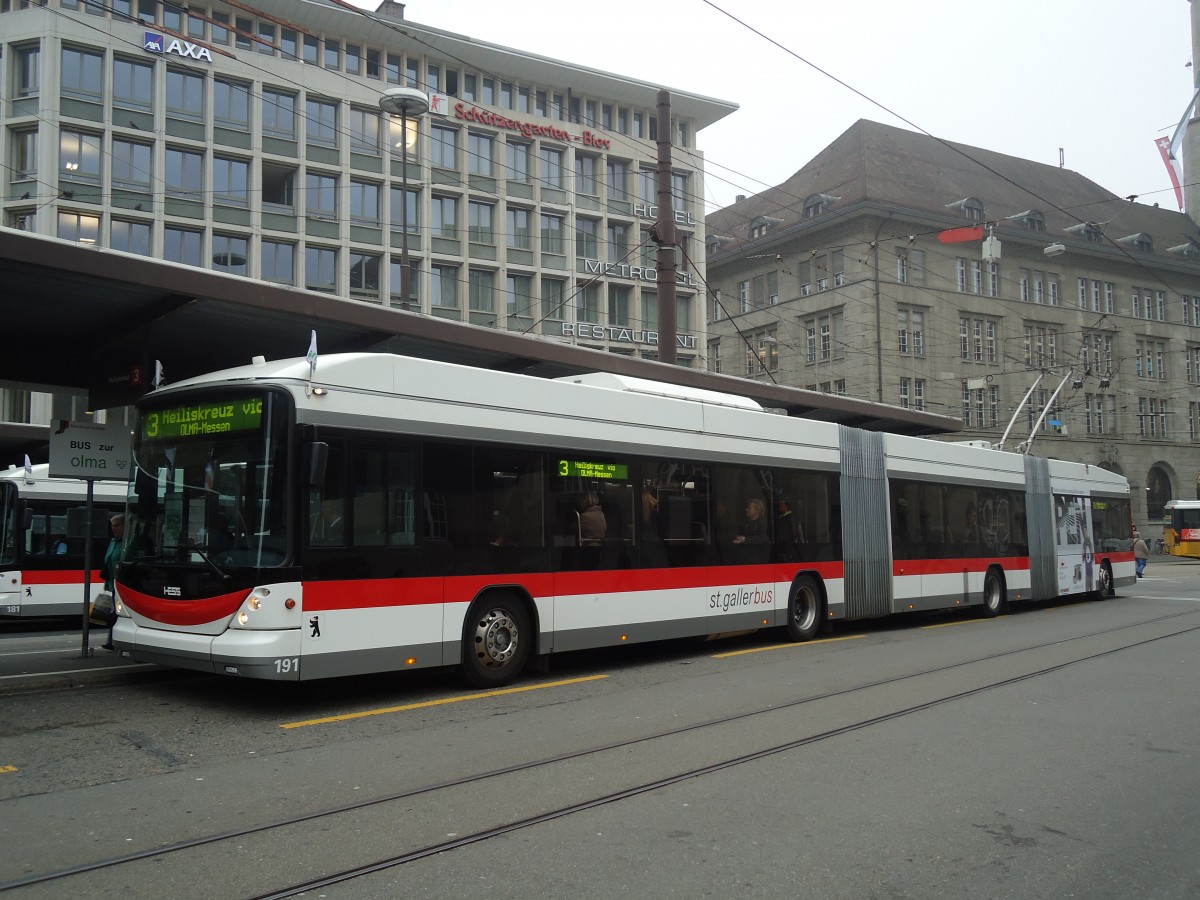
column 243, row 617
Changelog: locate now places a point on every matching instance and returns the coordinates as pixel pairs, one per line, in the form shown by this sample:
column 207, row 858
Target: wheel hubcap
column 496, row 639
column 804, row 609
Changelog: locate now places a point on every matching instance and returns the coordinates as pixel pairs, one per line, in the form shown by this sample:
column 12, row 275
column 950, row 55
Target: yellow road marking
column 4, row 770
column 443, row 702
column 849, row 637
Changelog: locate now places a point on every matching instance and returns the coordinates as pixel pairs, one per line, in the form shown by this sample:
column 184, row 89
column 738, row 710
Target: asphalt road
column 1048, row 753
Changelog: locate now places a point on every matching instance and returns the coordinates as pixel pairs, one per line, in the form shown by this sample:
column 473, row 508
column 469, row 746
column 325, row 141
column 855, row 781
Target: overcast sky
column 1101, row 79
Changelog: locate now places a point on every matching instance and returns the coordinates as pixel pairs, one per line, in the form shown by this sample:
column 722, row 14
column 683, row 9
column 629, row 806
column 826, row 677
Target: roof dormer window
column 761, row 225
column 1140, row 241
column 970, row 207
column 1032, row 219
column 1089, row 231
column 816, row 204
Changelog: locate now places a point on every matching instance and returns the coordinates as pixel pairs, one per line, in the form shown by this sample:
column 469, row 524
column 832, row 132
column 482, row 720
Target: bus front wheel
column 497, row 637
column 1104, row 582
column 804, row 609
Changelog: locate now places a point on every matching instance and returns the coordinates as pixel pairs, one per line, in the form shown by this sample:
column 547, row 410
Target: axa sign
column 157, row 43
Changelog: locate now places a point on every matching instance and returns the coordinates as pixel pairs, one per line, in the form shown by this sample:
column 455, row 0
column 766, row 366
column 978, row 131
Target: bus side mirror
column 316, row 454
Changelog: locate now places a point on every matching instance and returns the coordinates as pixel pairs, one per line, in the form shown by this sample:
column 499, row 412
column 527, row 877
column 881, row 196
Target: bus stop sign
column 89, row 450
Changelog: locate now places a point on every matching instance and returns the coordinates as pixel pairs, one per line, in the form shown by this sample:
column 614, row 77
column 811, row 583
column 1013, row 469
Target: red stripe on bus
column 56, row 576
column 956, row 565
column 182, row 612
column 321, row 596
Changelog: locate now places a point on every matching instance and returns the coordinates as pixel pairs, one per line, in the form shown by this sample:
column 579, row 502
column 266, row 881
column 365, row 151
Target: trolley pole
column 664, row 235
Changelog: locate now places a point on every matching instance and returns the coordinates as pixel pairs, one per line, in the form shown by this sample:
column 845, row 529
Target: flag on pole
column 157, row 380
column 311, row 356
column 1173, row 168
column 28, row 467
column 1177, row 137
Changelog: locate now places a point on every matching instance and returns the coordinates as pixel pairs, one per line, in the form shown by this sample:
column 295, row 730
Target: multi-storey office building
column 249, row 139
column 847, row 278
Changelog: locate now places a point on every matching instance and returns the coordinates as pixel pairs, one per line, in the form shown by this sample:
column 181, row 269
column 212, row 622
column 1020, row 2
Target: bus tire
column 805, row 606
column 497, row 639
column 1104, row 583
column 994, row 601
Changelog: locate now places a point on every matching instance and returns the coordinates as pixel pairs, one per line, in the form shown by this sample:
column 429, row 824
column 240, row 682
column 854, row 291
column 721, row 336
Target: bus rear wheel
column 497, row 637
column 994, row 602
column 804, row 609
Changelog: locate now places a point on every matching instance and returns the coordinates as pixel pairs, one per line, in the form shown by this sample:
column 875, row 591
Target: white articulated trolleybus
column 395, row 513
column 43, row 522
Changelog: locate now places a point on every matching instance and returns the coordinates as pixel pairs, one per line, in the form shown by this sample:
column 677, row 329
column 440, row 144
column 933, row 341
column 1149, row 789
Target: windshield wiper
column 221, row 573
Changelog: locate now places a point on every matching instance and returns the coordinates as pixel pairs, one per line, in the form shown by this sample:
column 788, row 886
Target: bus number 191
column 285, row 666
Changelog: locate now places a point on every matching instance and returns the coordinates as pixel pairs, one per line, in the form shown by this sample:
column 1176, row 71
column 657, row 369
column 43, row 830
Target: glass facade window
column 618, row 179
column 552, row 167
column 231, row 181
column 278, row 262
column 185, row 95
column 333, row 54
column 480, row 225
column 481, row 289
column 364, row 273
column 364, row 131
column 322, row 124
column 131, row 237
column 28, row 70
column 443, row 286
column 516, row 161
column 443, row 147
column 133, row 84
column 230, row 253
column 552, row 234
column 81, row 227
column 131, row 164
column 231, row 103
column 585, row 175
column 25, row 151
column 220, row 28
column 587, row 242
column 320, row 269
column 412, row 215
column 266, row 37
column 364, row 202
column 79, row 155
column 278, row 114
column 519, row 294
column 519, row 234
column 554, row 292
column 320, row 198
column 82, row 73
column 480, row 150
column 182, row 245
column 444, row 217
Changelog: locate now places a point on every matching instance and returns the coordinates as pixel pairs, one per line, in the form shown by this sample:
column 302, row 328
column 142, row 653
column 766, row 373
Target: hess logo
column 172, row 591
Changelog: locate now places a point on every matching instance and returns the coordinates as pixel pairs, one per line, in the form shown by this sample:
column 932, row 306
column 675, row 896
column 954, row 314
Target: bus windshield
column 8, row 524
column 209, row 481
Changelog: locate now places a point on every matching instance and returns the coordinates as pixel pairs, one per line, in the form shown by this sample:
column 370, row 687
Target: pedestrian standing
column 1141, row 553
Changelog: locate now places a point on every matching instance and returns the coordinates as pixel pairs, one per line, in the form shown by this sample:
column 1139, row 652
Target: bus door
column 1073, row 543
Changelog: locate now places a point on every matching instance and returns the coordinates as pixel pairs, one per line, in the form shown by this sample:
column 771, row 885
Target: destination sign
column 597, row 471
column 199, row 419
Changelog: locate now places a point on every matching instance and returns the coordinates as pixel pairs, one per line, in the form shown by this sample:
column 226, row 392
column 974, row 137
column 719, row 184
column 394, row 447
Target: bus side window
column 327, row 504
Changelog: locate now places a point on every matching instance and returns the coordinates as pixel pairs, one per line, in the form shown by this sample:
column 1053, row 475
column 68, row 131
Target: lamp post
column 406, row 102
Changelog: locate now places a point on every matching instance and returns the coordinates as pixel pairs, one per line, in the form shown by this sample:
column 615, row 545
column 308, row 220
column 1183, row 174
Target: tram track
column 647, row 785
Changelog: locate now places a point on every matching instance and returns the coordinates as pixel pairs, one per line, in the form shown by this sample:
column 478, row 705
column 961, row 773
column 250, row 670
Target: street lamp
column 406, row 102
